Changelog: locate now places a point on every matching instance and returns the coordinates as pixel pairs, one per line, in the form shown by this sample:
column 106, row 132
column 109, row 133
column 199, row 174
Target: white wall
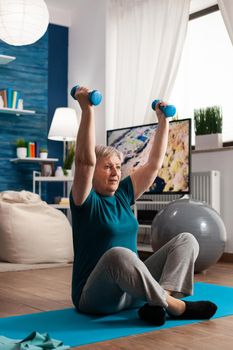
column 59, row 16
column 87, row 55
column 86, row 20
column 223, row 161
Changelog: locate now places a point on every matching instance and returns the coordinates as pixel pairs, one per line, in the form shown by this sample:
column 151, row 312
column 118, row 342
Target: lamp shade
column 64, row 126
column 23, row 22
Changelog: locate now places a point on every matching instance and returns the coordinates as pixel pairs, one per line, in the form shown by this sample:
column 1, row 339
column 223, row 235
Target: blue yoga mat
column 77, row 329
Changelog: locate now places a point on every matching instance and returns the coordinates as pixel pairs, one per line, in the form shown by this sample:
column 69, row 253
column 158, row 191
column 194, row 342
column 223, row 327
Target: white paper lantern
column 23, row 22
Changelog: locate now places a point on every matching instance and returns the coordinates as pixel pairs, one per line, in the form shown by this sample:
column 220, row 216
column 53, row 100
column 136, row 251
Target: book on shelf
column 10, row 98
column 9, row 94
column 144, row 236
column 4, row 97
column 15, row 99
column 31, row 150
column 64, row 200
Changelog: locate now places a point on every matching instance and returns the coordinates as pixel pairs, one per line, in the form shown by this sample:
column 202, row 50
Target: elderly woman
column 108, row 275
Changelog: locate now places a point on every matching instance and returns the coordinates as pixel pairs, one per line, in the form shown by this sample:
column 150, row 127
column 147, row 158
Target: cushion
column 31, row 231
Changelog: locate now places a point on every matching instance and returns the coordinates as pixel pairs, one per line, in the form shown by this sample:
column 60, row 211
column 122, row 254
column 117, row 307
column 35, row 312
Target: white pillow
column 31, row 231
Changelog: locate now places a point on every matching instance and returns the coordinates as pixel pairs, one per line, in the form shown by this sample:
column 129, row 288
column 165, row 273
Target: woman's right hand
column 159, row 113
column 81, row 95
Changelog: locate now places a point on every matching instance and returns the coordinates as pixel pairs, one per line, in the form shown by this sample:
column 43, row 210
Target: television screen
column 135, row 143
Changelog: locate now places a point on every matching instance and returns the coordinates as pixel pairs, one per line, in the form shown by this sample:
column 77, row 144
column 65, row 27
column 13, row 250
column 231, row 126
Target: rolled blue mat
column 34, row 341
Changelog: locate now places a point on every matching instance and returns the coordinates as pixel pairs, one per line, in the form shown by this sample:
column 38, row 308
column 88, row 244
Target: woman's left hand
column 160, row 114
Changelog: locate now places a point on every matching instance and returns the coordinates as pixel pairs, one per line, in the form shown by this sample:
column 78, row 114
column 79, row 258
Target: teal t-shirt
column 100, row 223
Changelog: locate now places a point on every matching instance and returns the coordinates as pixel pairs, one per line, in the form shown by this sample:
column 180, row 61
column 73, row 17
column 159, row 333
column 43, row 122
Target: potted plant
column 21, row 148
column 69, row 159
column 43, row 153
column 208, row 127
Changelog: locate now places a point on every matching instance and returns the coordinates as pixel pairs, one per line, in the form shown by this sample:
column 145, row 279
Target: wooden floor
column 49, row 289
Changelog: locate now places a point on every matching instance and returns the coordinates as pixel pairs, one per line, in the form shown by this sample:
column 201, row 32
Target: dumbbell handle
column 94, row 96
column 168, row 111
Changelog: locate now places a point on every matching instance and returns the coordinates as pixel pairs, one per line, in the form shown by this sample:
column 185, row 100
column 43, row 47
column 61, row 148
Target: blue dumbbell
column 94, row 96
column 168, row 111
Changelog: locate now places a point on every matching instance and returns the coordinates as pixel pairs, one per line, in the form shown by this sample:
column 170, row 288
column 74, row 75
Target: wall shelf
column 60, row 206
column 66, row 180
column 33, row 160
column 144, row 248
column 4, row 59
column 16, row 111
column 53, row 178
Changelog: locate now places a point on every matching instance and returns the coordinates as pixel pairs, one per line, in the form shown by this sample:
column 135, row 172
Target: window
column 205, row 76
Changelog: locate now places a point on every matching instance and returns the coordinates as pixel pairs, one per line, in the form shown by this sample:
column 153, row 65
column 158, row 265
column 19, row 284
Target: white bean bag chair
column 31, row 231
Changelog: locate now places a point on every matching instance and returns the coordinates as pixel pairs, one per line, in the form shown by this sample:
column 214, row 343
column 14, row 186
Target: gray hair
column 107, row 151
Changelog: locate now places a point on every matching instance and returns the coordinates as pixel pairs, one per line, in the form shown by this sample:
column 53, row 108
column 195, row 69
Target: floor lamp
column 64, row 127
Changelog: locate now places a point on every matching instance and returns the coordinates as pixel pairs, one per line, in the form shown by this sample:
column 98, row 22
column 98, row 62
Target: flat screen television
column 135, row 143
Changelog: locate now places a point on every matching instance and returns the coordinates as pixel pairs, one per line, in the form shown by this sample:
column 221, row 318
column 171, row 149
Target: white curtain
column 226, row 8
column 144, row 42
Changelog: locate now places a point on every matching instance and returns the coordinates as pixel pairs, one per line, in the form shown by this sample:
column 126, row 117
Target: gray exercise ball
column 186, row 215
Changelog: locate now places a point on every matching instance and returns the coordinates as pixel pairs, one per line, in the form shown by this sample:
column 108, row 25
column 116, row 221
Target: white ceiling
column 196, row 5
column 63, row 4
column 61, row 11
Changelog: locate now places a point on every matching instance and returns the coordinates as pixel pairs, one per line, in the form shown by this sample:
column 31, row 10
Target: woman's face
column 107, row 175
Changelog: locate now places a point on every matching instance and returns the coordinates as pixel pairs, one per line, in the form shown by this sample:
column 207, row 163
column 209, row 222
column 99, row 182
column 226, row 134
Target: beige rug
column 6, row 267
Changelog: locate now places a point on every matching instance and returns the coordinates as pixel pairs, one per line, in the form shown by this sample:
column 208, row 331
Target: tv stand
column 149, row 207
column 145, row 209
column 205, row 187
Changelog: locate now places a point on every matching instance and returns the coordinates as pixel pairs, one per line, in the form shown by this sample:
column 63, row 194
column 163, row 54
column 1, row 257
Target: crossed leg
column 121, row 280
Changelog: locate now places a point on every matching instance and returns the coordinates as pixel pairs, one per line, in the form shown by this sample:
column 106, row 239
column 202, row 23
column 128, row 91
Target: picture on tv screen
column 135, row 144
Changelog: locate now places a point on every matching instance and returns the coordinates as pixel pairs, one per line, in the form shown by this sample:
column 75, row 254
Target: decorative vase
column 68, row 172
column 209, row 141
column 59, row 172
column 43, row 155
column 20, row 104
column 21, row 152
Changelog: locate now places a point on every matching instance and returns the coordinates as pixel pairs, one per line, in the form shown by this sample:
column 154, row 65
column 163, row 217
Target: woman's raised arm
column 144, row 177
column 85, row 158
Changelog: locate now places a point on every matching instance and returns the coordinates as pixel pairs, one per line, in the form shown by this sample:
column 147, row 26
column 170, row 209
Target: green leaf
column 208, row 120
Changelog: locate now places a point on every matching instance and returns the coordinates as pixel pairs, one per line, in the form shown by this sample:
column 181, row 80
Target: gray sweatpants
column 121, row 280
